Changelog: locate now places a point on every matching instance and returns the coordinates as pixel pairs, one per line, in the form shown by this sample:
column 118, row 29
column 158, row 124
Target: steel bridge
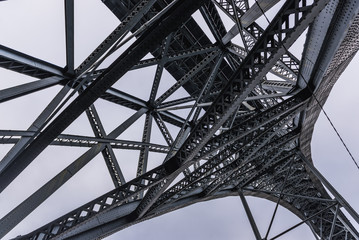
column 242, row 127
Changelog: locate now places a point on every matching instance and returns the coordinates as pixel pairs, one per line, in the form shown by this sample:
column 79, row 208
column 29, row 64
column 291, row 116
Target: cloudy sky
column 37, row 28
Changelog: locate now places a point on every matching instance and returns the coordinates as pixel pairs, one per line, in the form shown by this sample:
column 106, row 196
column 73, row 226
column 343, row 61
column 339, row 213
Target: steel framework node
column 202, row 99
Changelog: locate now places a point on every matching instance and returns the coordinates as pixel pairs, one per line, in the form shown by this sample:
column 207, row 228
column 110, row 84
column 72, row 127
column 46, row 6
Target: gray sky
column 37, row 28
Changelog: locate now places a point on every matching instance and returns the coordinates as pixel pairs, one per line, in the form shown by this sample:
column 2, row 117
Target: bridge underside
column 237, row 118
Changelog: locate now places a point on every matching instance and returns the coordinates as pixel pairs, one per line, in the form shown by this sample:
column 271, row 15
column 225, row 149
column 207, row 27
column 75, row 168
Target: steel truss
column 243, row 133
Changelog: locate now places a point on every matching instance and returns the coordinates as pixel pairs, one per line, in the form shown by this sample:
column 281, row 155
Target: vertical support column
column 69, row 28
column 249, row 215
column 159, row 70
column 143, row 158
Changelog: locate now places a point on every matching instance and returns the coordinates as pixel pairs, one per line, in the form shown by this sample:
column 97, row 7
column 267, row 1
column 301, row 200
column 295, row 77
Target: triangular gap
column 20, row 113
column 227, row 21
column 202, row 112
column 201, row 162
column 298, row 46
column 266, row 87
column 4, row 149
column 174, row 130
column 167, row 81
column 301, row 232
column 88, row 184
column 202, row 23
column 271, row 77
column 284, row 220
column 270, row 14
column 128, row 161
column 262, row 211
column 148, row 56
column 47, row 165
column 350, row 218
column 113, row 56
column 137, row 83
column 251, row 2
column 81, row 126
column 178, row 178
column 86, row 25
column 156, row 134
column 238, row 40
column 262, row 21
column 135, row 131
column 155, row 159
column 183, row 113
column 11, row 79
column 41, row 17
column 111, row 114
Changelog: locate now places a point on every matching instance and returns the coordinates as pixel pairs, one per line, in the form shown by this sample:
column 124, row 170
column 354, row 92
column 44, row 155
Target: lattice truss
column 229, row 123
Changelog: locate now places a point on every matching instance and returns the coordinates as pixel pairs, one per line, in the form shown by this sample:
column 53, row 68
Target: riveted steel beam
column 146, row 136
column 205, row 143
column 149, row 40
column 70, row 35
column 31, row 203
column 107, row 153
column 252, row 32
column 128, row 22
column 36, row 127
column 28, row 65
column 27, row 88
column 213, row 20
column 263, row 56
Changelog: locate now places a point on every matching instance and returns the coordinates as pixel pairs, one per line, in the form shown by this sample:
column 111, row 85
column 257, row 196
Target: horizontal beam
column 13, row 136
column 28, row 65
column 27, row 88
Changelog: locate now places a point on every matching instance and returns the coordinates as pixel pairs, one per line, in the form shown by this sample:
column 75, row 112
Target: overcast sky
column 37, row 28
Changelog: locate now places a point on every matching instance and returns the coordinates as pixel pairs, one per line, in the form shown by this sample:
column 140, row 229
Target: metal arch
column 246, row 137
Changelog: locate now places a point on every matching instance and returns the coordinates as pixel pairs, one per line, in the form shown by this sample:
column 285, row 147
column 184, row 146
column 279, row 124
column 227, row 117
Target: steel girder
column 25, row 64
column 102, row 83
column 108, row 154
column 12, row 137
column 116, row 196
column 287, row 67
column 246, row 140
column 240, row 85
